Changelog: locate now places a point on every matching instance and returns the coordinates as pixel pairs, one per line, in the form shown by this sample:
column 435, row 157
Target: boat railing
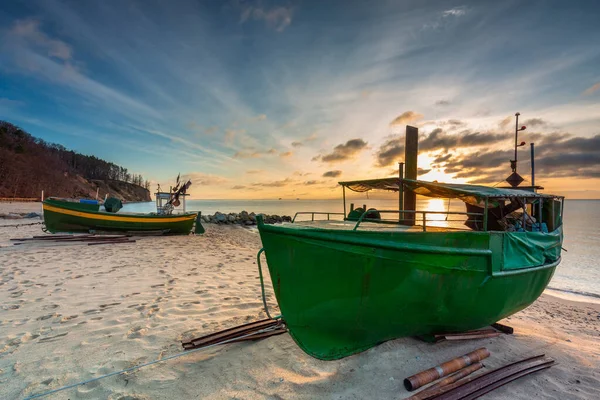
column 313, row 213
column 401, row 212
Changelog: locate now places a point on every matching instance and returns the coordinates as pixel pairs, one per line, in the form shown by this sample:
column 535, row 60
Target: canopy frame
column 477, row 195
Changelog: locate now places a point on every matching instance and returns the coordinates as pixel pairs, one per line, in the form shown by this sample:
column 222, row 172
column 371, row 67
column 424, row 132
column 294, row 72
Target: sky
column 265, row 99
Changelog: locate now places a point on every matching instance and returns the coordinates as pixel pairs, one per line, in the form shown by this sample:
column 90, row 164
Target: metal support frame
column 485, row 215
column 424, row 213
column 344, row 196
column 313, row 213
column 400, row 191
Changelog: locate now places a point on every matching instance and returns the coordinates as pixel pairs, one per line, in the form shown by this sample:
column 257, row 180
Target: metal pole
column 485, row 215
column 344, row 196
column 516, row 135
column 400, row 191
column 533, row 166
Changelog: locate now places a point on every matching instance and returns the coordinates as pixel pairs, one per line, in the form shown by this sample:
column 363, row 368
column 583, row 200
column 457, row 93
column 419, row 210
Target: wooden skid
column 91, row 240
column 251, row 331
column 474, row 387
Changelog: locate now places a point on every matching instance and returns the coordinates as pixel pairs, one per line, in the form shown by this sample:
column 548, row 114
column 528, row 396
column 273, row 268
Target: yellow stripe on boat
column 118, row 218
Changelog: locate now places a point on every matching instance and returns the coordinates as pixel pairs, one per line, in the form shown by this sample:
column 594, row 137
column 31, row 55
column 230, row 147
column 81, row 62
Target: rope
column 60, row 389
column 18, row 225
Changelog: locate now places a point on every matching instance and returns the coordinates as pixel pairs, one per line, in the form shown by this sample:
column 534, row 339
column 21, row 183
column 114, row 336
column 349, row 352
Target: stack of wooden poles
column 458, row 385
column 91, row 240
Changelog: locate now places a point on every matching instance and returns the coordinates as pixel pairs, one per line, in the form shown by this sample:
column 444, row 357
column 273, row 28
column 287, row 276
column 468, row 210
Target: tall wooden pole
column 411, row 153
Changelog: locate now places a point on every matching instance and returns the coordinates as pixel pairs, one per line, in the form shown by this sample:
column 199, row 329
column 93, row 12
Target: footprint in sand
column 136, row 333
column 109, row 305
column 93, row 311
column 96, row 318
column 155, row 286
column 66, row 319
column 51, row 338
column 45, row 317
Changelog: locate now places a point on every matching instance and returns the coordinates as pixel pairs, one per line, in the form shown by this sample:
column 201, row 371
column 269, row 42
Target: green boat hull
column 342, row 292
column 61, row 216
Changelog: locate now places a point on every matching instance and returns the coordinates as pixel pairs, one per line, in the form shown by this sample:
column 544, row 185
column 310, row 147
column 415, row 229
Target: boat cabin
column 166, row 202
column 486, row 208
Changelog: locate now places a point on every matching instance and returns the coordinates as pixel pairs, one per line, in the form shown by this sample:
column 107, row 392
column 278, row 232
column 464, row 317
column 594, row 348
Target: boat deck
column 369, row 226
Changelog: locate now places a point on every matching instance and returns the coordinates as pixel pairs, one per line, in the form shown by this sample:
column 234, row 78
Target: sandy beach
column 73, row 312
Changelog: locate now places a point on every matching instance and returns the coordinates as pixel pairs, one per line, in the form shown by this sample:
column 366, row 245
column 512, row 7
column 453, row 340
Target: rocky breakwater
column 243, row 218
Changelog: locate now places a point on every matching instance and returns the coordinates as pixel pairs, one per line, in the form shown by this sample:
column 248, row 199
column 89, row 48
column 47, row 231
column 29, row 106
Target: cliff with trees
column 29, row 165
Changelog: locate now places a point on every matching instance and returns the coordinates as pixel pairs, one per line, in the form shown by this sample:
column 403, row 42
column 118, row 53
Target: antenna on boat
column 515, row 179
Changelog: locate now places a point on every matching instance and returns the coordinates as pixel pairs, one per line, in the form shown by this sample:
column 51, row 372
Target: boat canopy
column 471, row 194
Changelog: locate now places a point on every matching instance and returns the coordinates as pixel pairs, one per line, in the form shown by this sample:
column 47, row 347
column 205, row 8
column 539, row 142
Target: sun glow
column 435, row 174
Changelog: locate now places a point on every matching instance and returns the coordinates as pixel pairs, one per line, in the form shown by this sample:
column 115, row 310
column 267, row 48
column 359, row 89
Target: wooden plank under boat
column 69, row 216
column 345, row 286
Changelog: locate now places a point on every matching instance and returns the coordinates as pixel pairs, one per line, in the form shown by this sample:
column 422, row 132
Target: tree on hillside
column 28, row 164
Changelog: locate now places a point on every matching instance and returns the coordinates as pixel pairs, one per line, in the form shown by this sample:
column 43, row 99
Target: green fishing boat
column 65, row 215
column 344, row 286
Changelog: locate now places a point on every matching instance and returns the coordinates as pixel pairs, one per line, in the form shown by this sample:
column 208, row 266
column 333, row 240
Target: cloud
column 286, row 154
column 29, row 30
column 454, row 12
column 300, row 173
column 259, row 117
column 445, row 17
column 237, row 187
column 254, row 171
column 442, row 158
column 592, row 89
column 202, row 179
column 343, row 152
column 535, row 122
column 299, row 143
column 390, row 152
column 277, row 18
column 405, row 118
column 437, row 140
column 393, row 149
column 420, row 171
column 332, row 174
column 557, row 155
column 280, row 183
column 442, row 103
column 231, row 134
column 313, row 182
column 504, row 123
column 252, row 153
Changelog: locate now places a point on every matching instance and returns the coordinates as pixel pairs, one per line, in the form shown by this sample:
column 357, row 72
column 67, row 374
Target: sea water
column 577, row 277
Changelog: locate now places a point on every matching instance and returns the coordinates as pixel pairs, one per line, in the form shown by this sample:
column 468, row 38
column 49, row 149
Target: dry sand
column 70, row 313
